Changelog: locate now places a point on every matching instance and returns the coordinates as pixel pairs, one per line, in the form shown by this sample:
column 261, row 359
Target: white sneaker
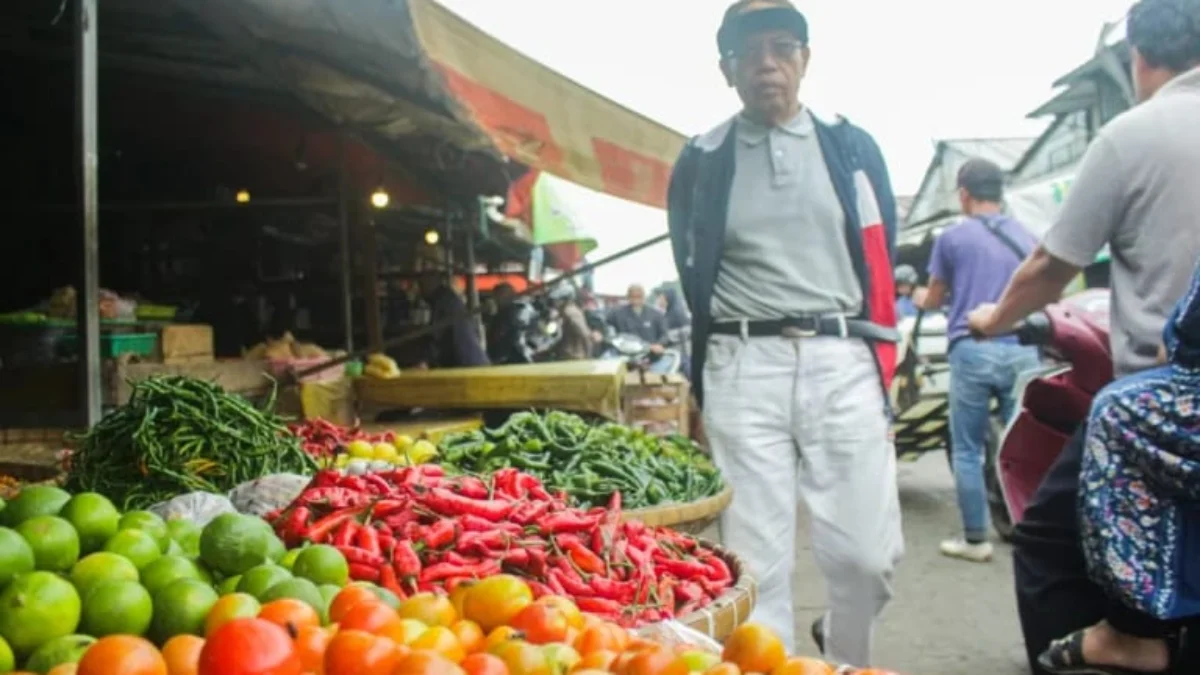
column 958, row 548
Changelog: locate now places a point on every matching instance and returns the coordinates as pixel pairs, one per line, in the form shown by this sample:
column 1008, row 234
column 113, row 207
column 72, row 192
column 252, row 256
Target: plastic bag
column 674, row 634
column 269, row 493
column 198, row 507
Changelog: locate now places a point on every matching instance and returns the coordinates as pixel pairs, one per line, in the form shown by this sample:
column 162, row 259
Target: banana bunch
column 381, row 367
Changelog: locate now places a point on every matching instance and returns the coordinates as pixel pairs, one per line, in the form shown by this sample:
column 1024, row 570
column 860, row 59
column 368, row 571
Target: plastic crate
column 112, row 346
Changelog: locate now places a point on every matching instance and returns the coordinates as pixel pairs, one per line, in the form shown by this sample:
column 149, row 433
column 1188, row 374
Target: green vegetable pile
column 178, row 435
column 588, row 462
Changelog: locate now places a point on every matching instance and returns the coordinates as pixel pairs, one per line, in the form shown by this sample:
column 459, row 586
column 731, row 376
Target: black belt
column 809, row 326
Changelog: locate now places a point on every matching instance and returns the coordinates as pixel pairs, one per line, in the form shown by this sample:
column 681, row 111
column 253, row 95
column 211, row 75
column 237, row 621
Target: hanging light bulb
column 242, row 197
column 380, row 198
column 432, row 237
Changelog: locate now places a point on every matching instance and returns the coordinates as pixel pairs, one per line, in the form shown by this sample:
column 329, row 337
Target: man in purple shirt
column 972, row 262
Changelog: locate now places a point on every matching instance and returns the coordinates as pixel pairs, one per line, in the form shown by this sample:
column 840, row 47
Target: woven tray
column 691, row 518
column 732, row 609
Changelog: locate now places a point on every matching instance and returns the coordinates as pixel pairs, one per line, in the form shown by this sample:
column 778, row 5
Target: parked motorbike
column 1054, row 400
column 637, row 356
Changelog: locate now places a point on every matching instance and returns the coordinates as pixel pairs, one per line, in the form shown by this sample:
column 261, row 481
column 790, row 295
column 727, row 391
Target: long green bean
column 177, row 435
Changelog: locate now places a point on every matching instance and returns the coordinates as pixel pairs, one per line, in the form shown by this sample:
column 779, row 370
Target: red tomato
column 249, row 647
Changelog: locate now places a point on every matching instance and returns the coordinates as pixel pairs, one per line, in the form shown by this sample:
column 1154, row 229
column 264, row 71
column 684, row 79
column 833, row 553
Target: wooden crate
column 657, row 403
column 186, row 343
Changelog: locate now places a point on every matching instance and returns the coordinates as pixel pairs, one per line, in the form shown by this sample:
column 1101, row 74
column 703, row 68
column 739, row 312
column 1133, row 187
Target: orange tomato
column 604, row 637
column 566, row 606
column 311, row 643
column 484, row 664
column 64, row 669
column 541, row 624
column 724, row 669
column 429, row 609
column 290, row 614
column 522, row 658
column 347, row 598
column 354, row 652
column 421, row 662
column 649, row 661
column 804, row 666
column 754, row 648
column 370, row 617
column 589, row 671
column 249, row 647
column 182, row 654
column 469, row 634
column 601, row 659
column 441, row 640
column 496, row 600
column 122, row 655
column 501, row 635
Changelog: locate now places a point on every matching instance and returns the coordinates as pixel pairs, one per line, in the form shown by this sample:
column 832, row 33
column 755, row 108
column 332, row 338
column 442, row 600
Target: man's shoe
column 818, row 634
column 963, row 550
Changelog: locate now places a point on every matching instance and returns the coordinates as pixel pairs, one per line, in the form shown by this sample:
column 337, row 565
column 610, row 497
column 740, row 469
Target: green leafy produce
column 588, row 462
column 178, row 435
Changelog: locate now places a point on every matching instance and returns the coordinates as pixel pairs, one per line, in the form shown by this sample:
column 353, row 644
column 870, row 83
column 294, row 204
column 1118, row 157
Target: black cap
column 736, row 26
column 983, row 180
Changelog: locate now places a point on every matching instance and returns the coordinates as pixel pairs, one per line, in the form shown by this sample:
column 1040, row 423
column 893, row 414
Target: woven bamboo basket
column 691, row 518
column 733, row 608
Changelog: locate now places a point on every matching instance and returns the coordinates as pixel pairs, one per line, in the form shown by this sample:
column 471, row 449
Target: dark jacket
column 650, row 325
column 457, row 345
column 506, row 343
column 698, row 203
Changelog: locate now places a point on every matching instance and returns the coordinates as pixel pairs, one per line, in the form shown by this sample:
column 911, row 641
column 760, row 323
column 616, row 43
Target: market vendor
column 456, row 345
column 635, row 317
column 783, row 227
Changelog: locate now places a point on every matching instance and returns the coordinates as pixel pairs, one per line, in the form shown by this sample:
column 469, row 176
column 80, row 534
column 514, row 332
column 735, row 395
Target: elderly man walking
column 782, row 227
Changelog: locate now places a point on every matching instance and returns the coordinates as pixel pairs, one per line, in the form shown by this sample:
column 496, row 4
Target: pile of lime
column 73, row 568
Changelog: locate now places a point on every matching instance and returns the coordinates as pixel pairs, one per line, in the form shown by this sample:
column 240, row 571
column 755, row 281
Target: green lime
column 8, row 662
column 329, row 592
column 136, row 545
column 288, row 561
column 298, row 589
column 66, row 649
column 185, row 533
column 233, row 543
column 258, row 580
column 54, row 542
column 149, row 523
column 94, row 517
column 36, row 608
column 117, row 608
column 36, row 500
column 322, row 565
column 102, row 566
column 229, row 585
column 181, row 609
column 162, row 572
column 15, row 556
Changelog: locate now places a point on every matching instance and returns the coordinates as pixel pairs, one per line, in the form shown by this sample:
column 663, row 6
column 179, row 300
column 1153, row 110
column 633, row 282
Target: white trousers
column 789, row 418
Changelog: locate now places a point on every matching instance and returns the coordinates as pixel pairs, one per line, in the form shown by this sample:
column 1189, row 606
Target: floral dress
column 1140, row 480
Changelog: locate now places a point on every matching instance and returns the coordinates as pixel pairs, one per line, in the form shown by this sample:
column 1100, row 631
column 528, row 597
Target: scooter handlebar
column 1037, row 330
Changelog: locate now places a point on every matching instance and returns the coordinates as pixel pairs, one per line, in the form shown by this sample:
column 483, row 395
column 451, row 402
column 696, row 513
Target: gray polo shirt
column 785, row 253
column 1138, row 190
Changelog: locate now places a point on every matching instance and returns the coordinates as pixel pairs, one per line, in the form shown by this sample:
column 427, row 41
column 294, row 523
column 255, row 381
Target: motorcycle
column 1054, row 400
column 635, row 352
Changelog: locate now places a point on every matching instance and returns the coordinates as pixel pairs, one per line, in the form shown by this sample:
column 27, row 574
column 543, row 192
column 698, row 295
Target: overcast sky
column 910, row 72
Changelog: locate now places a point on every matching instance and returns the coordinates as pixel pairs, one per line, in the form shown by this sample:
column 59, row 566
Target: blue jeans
column 979, row 372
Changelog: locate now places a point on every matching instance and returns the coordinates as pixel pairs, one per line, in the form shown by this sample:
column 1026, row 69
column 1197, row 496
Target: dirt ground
column 948, row 617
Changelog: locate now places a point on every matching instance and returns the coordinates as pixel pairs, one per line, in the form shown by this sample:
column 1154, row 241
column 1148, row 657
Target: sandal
column 1065, row 657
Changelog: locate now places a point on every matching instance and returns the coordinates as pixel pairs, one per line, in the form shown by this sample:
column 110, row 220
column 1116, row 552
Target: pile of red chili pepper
column 322, row 438
column 416, row 529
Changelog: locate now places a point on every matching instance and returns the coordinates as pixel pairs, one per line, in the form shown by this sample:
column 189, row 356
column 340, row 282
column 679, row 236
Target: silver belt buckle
column 798, row 332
